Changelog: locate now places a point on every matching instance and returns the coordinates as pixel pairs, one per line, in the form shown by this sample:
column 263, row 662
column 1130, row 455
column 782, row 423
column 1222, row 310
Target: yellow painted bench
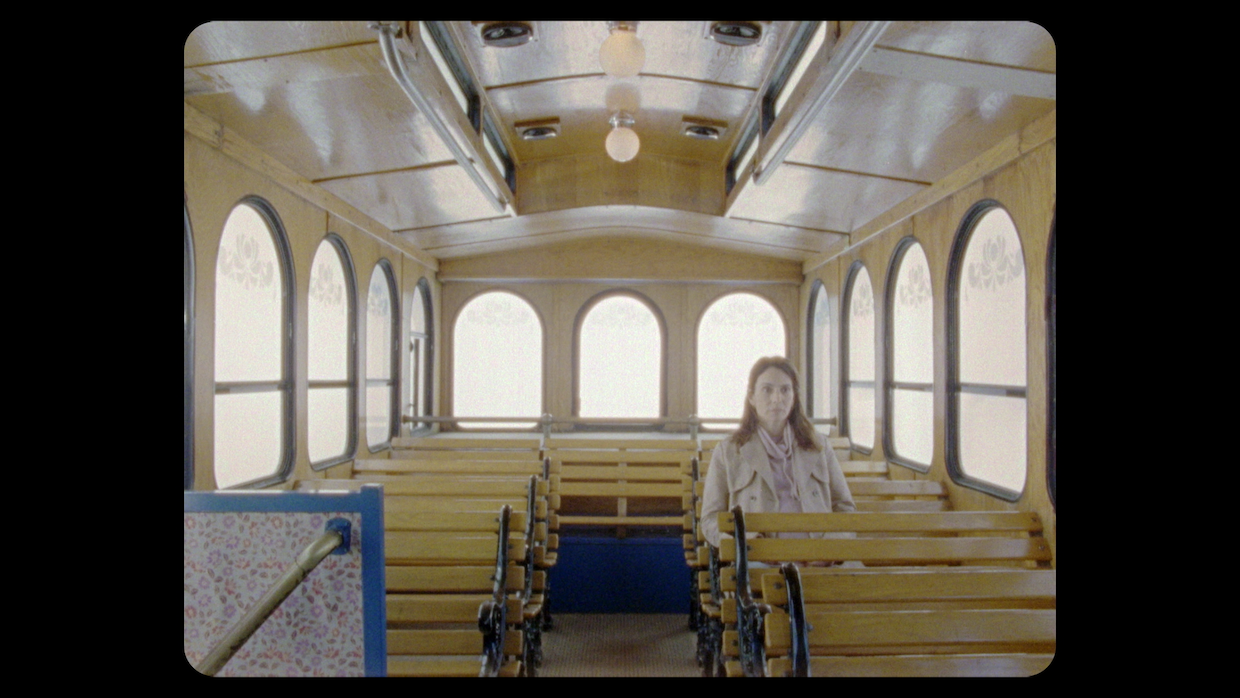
column 621, row 482
column 932, row 623
column 1011, row 540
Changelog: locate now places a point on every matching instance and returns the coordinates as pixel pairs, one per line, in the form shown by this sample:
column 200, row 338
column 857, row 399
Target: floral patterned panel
column 233, row 558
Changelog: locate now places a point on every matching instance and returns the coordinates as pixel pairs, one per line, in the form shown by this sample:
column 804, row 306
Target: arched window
column 382, row 331
column 734, row 332
column 858, row 373
column 619, row 359
column 421, row 357
column 497, row 362
column 253, row 349
column 909, row 431
column 986, row 410
column 818, row 350
column 189, row 355
column 331, row 404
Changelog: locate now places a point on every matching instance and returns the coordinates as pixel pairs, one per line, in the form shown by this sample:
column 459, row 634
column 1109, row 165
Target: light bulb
column 622, row 54
column 622, row 144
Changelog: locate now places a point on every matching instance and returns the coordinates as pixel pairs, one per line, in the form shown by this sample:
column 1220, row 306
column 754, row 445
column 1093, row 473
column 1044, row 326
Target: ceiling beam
column 950, row 71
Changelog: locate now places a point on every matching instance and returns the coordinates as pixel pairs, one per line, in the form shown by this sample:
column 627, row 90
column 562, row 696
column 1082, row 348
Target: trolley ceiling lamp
column 622, row 142
column 622, row 54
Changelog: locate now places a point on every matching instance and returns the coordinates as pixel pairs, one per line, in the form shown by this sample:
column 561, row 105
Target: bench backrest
column 979, row 621
column 975, row 537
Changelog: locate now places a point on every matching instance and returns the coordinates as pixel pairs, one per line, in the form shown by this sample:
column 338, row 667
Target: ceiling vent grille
column 506, row 34
column 736, row 33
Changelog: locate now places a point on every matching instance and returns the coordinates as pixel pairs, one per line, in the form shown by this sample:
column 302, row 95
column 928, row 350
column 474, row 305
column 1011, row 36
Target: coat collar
column 753, row 454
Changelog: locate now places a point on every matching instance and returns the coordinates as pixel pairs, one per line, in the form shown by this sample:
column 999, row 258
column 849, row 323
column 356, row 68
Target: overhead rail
column 388, row 32
column 547, row 420
column 335, row 540
column 852, row 49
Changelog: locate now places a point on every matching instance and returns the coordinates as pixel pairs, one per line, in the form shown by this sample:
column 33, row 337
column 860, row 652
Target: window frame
column 286, row 384
column 816, row 289
column 845, row 364
column 424, row 382
column 190, row 317
column 890, row 385
column 728, row 424
column 579, row 324
column 350, row 283
column 393, row 380
column 542, row 365
column 960, row 245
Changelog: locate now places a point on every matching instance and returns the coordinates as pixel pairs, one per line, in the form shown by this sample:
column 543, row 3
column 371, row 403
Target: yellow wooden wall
column 1025, row 187
column 214, row 183
column 558, row 282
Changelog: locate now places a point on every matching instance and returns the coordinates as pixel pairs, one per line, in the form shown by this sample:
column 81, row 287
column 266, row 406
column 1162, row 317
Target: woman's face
column 772, row 398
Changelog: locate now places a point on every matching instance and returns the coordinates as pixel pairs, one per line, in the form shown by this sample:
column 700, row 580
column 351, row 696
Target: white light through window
column 991, row 424
column 860, row 378
column 249, row 351
column 497, row 361
column 620, row 360
column 735, row 331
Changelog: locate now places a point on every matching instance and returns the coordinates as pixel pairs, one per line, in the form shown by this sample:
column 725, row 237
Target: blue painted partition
column 238, row 543
column 629, row 575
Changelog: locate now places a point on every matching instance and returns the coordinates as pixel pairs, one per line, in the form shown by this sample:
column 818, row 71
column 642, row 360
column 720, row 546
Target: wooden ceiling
column 918, row 101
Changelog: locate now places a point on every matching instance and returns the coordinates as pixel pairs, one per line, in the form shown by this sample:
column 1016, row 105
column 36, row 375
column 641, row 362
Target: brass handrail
column 336, row 536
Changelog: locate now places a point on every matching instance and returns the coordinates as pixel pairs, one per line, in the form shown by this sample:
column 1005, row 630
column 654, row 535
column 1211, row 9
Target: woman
column 775, row 461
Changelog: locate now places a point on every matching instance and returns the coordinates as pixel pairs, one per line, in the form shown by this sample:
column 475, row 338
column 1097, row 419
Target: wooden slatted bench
column 412, row 499
column 480, row 447
column 706, row 585
column 960, row 623
column 621, row 482
column 381, row 469
column 418, row 454
column 413, row 493
column 1011, row 539
column 447, row 607
column 879, row 495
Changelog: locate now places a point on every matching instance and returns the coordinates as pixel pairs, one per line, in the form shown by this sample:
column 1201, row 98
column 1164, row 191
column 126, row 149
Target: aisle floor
column 620, row 645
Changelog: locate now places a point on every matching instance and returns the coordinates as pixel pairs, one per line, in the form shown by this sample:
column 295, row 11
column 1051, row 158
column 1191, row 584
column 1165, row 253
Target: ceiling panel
column 216, row 42
column 415, row 198
column 903, row 128
column 1020, row 44
column 464, row 239
column 330, row 128
column 674, row 49
column 585, row 105
column 826, row 200
column 318, row 98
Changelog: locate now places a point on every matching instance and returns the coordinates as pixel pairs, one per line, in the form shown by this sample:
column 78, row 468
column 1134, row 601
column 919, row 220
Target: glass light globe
column 622, row 144
column 622, row 54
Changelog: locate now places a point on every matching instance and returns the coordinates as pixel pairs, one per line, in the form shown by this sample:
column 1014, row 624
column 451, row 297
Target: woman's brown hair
column 804, row 433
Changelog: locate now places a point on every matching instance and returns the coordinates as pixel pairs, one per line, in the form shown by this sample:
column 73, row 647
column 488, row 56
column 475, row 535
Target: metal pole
column 387, row 32
column 309, row 558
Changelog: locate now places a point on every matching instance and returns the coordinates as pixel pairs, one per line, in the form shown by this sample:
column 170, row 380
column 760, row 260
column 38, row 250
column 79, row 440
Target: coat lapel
column 753, row 453
column 803, row 463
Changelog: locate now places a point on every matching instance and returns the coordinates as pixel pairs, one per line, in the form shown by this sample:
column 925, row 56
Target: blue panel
column 631, row 575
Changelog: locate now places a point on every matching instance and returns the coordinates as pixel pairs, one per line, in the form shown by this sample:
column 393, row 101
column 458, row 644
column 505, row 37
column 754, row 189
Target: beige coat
column 743, row 476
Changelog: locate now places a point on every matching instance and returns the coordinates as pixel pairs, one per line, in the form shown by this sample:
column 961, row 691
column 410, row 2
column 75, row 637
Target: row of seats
column 941, row 594
column 466, row 539
column 872, row 491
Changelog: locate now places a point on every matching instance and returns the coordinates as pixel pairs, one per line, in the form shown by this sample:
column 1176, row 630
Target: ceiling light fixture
column 622, row 54
column 622, row 142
